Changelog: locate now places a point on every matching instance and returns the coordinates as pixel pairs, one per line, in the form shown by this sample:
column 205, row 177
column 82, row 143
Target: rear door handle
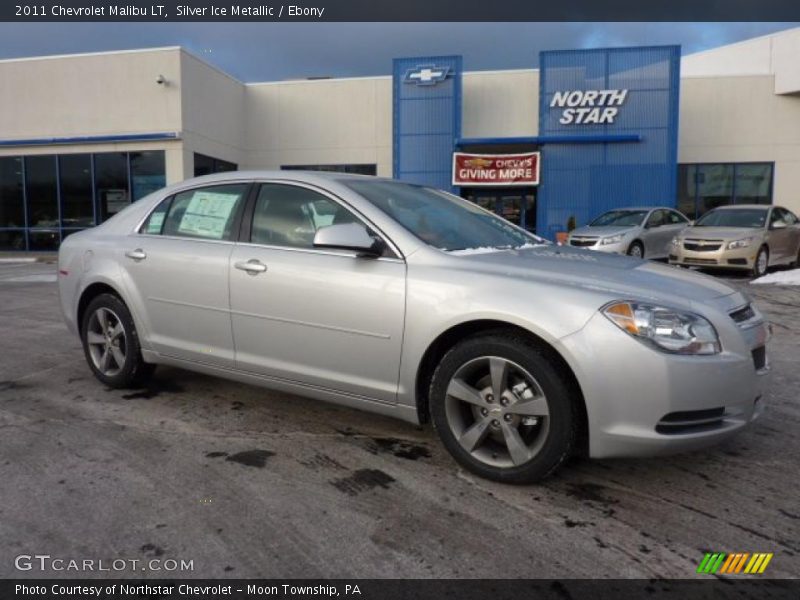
column 137, row 254
column 252, row 266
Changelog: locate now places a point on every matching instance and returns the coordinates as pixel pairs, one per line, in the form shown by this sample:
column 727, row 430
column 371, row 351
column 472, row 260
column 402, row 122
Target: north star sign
column 426, row 75
column 588, row 107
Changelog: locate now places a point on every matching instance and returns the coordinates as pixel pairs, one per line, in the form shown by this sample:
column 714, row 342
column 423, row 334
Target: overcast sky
column 273, row 51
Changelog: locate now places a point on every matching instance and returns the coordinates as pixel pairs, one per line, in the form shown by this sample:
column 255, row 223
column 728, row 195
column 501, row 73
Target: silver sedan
column 410, row 302
column 640, row 232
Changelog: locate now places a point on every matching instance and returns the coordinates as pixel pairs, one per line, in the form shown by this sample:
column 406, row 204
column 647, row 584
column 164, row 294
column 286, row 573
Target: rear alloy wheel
column 761, row 262
column 501, row 408
column 111, row 344
column 636, row 250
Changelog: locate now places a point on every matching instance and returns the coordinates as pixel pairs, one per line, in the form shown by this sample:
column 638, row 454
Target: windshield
column 440, row 219
column 741, row 217
column 619, row 218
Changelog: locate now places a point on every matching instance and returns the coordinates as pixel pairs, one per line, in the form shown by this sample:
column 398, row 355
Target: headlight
column 675, row 242
column 614, row 239
column 668, row 329
column 743, row 243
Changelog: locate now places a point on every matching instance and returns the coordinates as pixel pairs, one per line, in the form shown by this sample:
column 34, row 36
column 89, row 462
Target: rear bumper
column 643, row 402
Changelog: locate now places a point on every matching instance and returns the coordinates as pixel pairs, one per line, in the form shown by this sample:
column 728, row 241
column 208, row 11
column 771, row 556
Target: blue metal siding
column 426, row 121
column 585, row 180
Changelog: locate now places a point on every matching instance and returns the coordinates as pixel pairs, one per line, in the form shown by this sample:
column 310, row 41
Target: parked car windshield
column 619, row 218
column 441, row 220
column 738, row 217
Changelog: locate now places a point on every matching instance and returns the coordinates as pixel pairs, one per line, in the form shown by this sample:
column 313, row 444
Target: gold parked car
column 749, row 237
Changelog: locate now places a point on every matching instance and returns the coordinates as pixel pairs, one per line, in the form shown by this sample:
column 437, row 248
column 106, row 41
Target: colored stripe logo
column 734, row 564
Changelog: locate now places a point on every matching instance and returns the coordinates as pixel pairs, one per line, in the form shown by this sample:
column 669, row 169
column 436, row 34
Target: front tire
column 111, row 344
column 502, row 408
column 761, row 263
column 636, row 249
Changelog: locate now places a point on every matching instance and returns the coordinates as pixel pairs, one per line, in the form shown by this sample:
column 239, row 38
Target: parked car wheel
column 636, row 249
column 111, row 344
column 502, row 409
column 761, row 263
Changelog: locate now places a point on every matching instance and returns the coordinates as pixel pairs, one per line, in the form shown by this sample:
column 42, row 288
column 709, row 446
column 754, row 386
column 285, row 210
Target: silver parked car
column 640, row 232
column 749, row 237
column 413, row 303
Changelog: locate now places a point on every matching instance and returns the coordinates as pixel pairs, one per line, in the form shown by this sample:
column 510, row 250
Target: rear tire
column 636, row 249
column 521, row 437
column 761, row 263
column 111, row 343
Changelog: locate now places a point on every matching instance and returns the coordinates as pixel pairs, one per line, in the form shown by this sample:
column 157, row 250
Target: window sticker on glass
column 155, row 222
column 207, row 214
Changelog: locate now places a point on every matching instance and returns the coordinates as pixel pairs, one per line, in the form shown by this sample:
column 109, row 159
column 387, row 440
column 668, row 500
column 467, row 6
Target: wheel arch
column 450, row 337
column 91, row 292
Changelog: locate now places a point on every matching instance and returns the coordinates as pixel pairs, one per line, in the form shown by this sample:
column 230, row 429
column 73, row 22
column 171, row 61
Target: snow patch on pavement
column 780, row 278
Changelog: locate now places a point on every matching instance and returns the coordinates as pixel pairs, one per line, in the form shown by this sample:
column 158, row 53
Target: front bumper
column 590, row 244
column 642, row 402
column 740, row 258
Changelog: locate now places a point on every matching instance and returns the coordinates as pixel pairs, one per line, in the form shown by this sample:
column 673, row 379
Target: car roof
column 296, row 175
column 641, row 208
column 740, row 206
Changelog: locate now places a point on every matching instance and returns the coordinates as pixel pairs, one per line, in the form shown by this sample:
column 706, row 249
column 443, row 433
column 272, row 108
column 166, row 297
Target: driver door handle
column 137, row 254
column 252, row 266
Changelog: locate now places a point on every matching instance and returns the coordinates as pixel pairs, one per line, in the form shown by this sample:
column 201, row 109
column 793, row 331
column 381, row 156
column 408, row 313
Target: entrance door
column 517, row 205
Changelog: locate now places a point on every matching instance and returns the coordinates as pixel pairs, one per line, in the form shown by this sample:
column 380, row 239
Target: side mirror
column 778, row 225
column 349, row 236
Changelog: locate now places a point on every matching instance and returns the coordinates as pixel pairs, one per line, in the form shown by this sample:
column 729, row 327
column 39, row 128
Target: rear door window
column 207, row 213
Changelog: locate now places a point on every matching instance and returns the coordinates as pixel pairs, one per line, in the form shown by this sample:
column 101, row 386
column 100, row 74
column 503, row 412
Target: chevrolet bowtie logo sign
column 426, row 75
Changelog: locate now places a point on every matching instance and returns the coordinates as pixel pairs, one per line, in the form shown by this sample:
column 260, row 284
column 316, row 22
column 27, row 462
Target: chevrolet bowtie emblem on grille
column 426, row 75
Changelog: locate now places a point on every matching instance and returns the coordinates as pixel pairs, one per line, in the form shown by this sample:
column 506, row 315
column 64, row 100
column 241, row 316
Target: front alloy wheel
column 502, row 407
column 497, row 411
column 761, row 263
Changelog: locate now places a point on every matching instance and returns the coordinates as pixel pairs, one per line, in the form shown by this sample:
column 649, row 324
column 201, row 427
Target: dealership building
column 82, row 136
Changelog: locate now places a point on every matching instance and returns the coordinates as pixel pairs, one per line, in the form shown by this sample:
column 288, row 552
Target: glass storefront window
column 753, row 184
column 12, row 240
column 111, row 183
column 12, row 198
column 148, row 173
column 702, row 187
column 44, row 239
column 206, row 165
column 75, row 172
column 365, row 169
column 42, row 191
column 687, row 182
column 714, row 186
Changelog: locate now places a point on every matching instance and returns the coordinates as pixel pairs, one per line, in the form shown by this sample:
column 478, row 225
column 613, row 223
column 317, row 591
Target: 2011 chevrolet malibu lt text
column 410, row 302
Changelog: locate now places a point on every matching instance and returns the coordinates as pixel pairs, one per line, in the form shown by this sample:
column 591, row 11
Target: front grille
column 699, row 261
column 740, row 315
column 582, row 242
column 698, row 246
column 760, row 357
column 691, row 421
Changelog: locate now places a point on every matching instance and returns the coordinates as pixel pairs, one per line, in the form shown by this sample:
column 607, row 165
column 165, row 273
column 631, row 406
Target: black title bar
column 400, row 10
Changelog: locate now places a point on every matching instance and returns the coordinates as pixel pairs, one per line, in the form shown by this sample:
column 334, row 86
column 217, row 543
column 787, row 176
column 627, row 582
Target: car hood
column 720, row 233
column 619, row 276
column 604, row 231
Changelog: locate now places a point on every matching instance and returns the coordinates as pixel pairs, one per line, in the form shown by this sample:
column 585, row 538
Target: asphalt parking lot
column 249, row 483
